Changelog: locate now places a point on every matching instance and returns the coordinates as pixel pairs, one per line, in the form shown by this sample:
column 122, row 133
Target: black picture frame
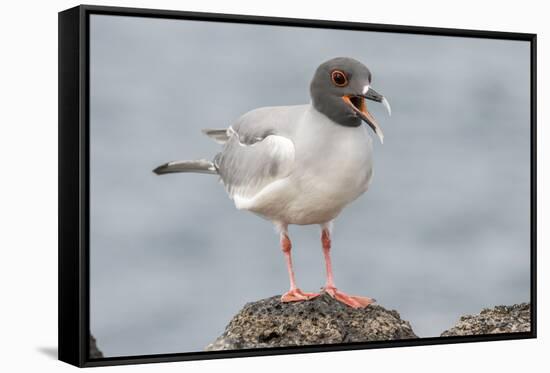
column 74, row 203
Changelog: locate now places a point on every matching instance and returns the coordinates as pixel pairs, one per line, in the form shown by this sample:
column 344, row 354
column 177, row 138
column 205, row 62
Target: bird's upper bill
column 359, row 106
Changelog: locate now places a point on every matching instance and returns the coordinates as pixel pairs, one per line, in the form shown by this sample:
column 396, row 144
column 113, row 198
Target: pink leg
column 351, row 300
column 294, row 294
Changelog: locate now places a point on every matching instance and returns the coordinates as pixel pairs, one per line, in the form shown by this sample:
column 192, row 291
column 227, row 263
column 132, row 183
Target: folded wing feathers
column 247, row 164
column 246, row 169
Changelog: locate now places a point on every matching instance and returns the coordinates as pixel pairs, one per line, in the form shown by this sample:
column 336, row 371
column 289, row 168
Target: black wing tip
column 161, row 169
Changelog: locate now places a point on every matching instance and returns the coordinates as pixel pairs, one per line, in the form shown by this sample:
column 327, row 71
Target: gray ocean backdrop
column 443, row 230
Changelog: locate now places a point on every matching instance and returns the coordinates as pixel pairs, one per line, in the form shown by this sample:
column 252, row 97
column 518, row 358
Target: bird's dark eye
column 339, row 78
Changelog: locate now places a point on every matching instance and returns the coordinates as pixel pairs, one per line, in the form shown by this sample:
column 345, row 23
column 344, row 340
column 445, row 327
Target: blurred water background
column 443, row 230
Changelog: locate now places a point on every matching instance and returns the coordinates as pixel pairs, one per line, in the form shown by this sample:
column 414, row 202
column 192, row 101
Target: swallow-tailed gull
column 301, row 164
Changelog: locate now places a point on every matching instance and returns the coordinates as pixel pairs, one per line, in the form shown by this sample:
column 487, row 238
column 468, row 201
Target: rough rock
column 322, row 320
column 500, row 319
column 95, row 353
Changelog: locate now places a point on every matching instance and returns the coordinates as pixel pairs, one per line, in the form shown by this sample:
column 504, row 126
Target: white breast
column 336, row 166
column 333, row 166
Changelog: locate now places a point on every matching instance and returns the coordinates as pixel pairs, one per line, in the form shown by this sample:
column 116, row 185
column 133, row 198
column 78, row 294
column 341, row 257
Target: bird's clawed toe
column 353, row 301
column 297, row 295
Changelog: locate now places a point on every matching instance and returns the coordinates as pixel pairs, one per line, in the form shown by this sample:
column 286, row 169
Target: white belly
column 333, row 168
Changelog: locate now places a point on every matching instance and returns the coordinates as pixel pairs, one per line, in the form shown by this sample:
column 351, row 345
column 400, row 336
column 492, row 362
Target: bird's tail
column 201, row 166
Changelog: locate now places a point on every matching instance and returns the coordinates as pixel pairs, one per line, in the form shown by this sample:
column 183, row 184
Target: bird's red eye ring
column 339, row 78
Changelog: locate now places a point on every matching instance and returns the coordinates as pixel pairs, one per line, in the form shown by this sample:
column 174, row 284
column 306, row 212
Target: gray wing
column 258, row 151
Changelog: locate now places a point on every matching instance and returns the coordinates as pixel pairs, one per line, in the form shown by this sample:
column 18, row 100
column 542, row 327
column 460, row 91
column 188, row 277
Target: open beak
column 359, row 106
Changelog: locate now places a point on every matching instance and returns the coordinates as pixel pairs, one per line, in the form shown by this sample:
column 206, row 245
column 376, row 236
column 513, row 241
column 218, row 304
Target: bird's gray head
column 339, row 89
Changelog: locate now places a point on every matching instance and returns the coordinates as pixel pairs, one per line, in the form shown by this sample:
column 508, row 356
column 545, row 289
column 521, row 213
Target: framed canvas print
column 234, row 186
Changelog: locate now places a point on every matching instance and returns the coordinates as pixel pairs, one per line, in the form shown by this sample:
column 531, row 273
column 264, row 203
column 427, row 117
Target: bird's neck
column 336, row 110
